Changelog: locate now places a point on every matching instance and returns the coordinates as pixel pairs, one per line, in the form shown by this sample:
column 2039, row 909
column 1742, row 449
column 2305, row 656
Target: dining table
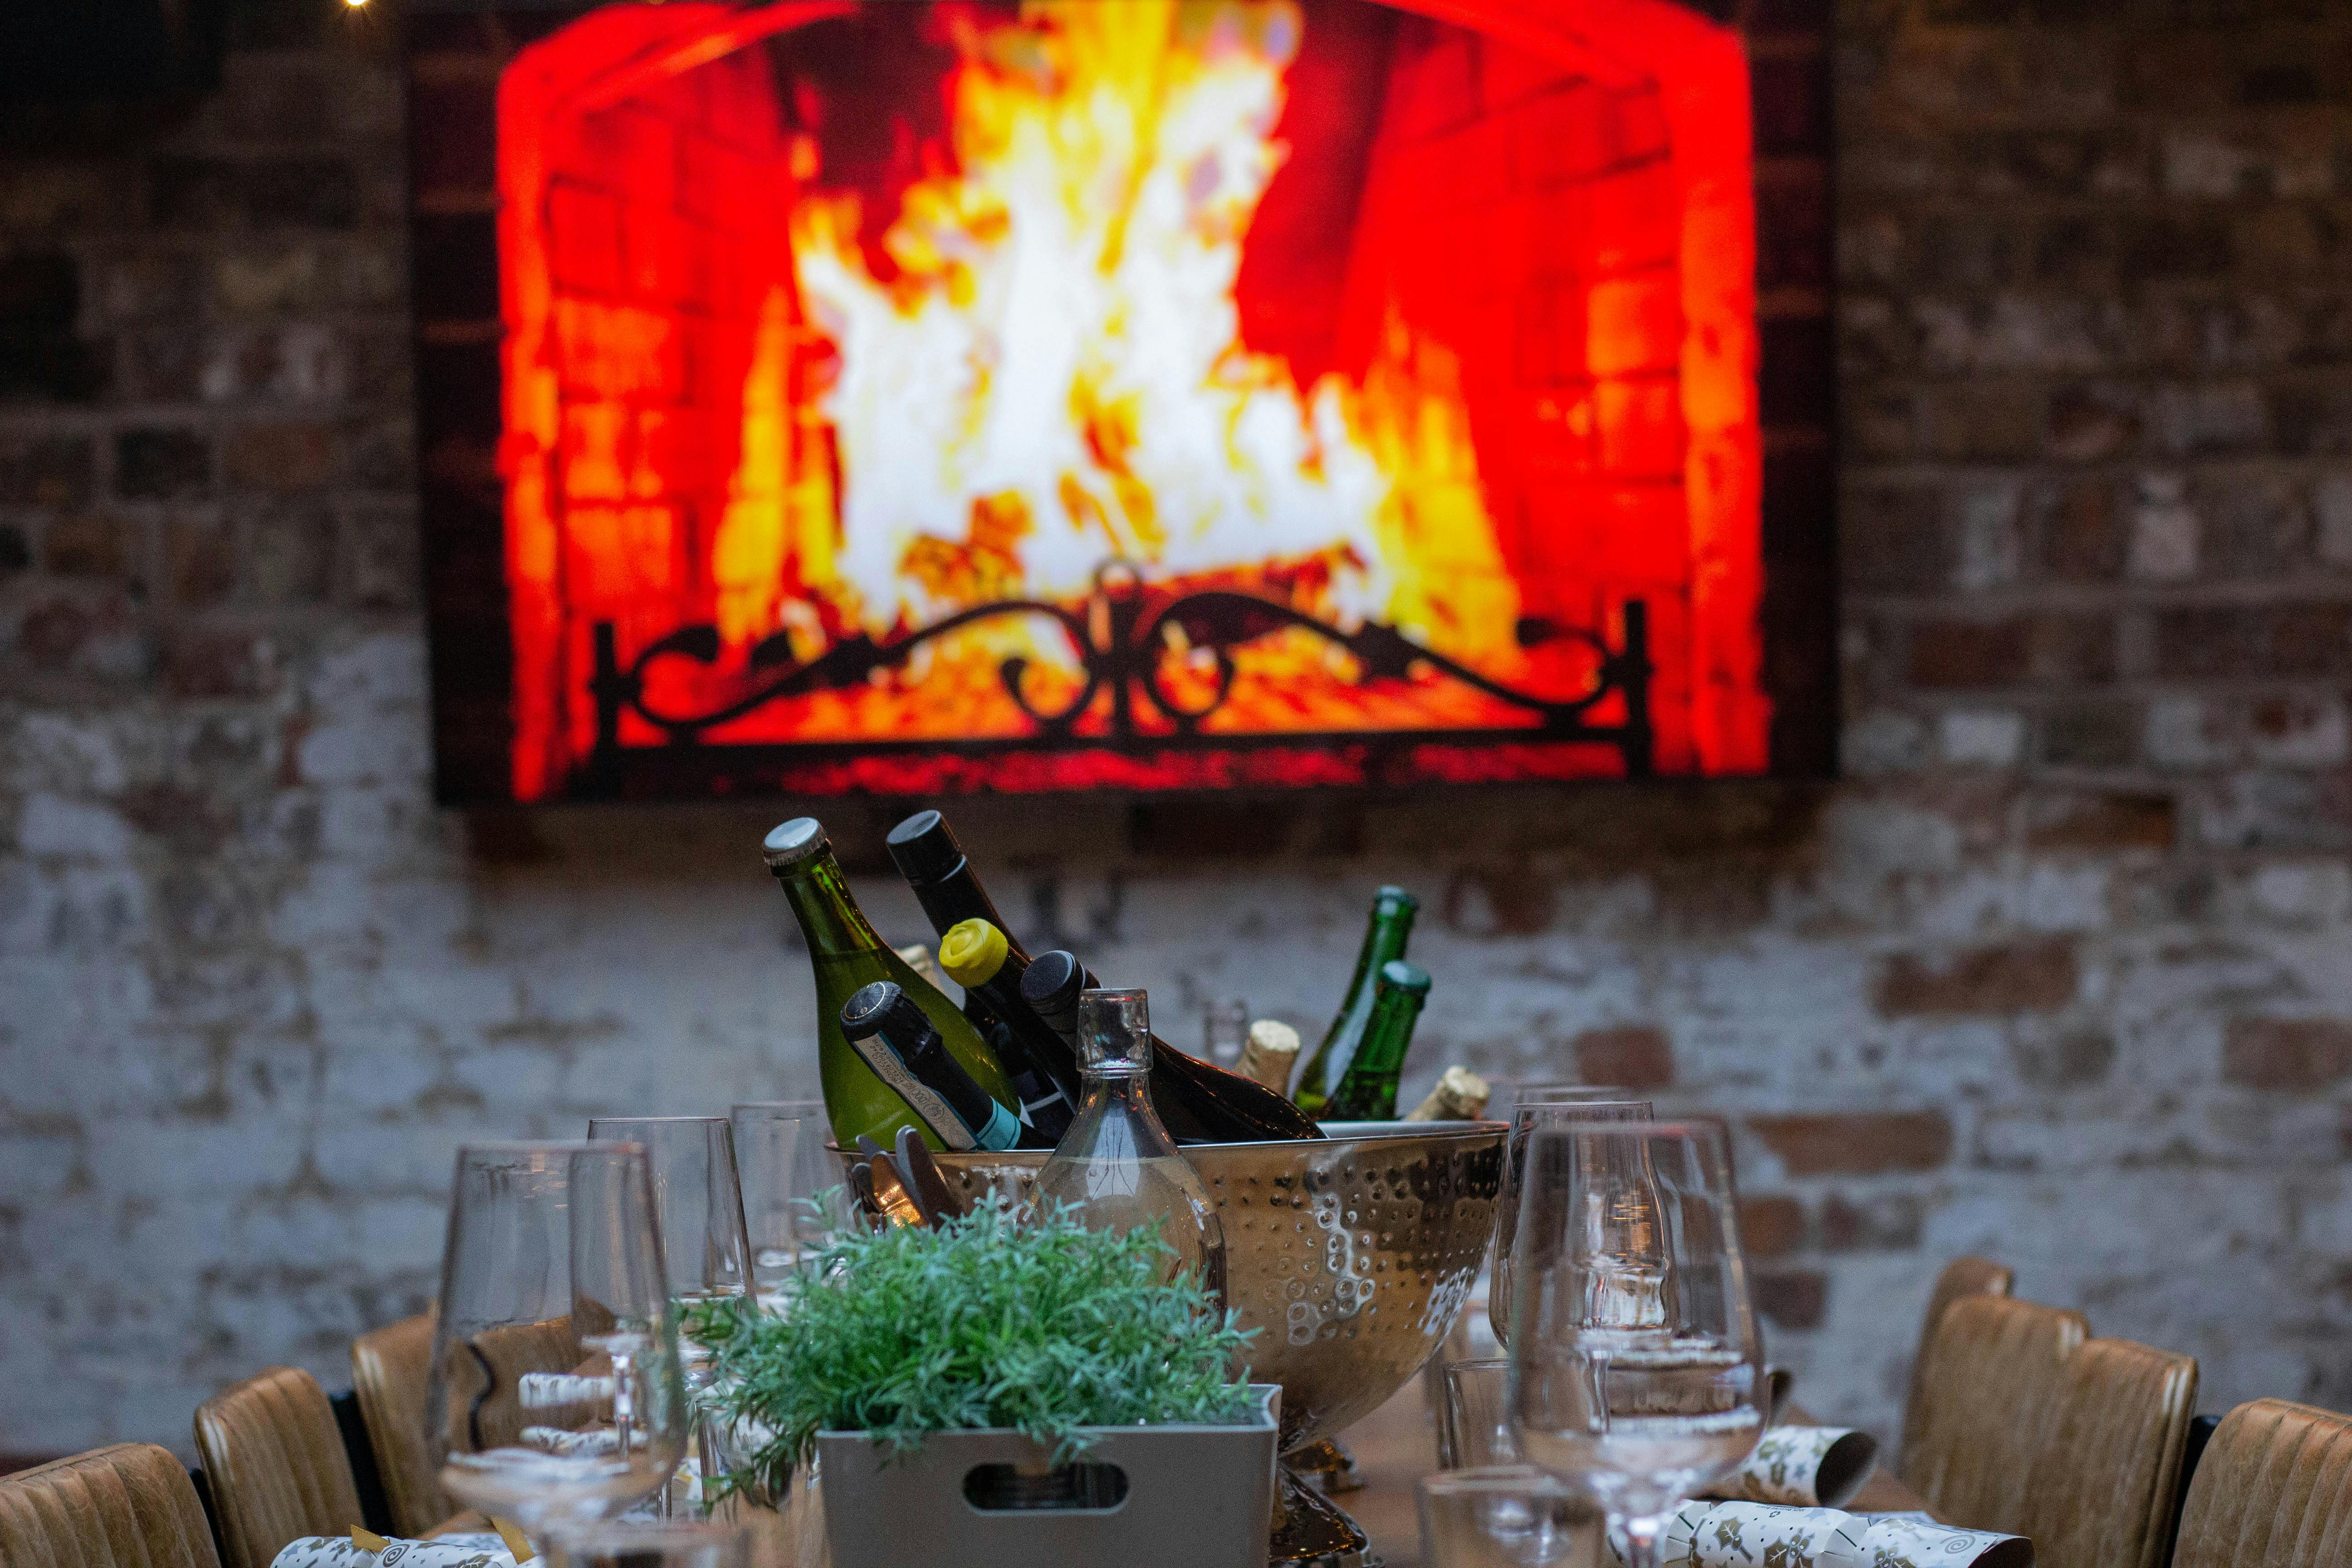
column 1396, row 1445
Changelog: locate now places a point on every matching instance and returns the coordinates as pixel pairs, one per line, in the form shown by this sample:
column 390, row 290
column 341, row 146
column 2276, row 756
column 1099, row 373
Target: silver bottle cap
column 790, row 843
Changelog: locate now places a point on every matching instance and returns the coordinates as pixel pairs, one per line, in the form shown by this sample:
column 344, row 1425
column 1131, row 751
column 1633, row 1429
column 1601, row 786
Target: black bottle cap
column 882, row 1008
column 1051, row 987
column 924, row 847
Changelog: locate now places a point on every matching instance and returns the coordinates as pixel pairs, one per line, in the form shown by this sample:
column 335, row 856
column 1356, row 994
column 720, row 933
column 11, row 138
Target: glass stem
column 1643, row 1537
column 625, row 1401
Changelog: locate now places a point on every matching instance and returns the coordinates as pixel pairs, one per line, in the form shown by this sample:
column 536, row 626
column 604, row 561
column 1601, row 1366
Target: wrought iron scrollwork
column 1119, row 639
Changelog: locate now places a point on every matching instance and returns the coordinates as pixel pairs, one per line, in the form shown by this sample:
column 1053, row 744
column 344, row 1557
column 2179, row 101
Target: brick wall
column 2058, row 973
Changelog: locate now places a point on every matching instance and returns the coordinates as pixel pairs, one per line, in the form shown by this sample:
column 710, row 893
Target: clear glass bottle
column 1117, row 1165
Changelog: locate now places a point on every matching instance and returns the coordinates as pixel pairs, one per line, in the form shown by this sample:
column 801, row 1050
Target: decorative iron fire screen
column 822, row 396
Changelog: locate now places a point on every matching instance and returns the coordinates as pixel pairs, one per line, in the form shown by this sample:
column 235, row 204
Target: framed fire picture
column 920, row 396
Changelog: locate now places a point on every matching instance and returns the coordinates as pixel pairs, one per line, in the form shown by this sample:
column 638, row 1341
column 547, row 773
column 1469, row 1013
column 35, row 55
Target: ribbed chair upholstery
column 1995, row 1370
column 2103, row 1492
column 390, row 1367
column 2274, row 1491
column 129, row 1506
column 275, row 1460
column 1961, row 1278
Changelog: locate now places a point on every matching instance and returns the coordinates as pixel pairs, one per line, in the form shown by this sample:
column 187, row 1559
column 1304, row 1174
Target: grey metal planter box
column 1195, row 1496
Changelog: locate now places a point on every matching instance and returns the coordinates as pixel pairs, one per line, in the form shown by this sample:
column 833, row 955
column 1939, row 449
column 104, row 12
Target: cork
column 1460, row 1096
column 1269, row 1054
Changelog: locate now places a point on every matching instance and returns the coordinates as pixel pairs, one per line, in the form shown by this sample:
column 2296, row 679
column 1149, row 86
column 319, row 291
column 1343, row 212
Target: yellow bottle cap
column 972, row 952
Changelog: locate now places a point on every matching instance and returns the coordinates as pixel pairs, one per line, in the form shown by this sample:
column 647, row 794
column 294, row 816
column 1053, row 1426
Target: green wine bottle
column 1385, row 935
column 1369, row 1091
column 846, row 954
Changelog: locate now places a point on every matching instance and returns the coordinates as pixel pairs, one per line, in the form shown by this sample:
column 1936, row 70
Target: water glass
column 651, row 1546
column 1510, row 1516
column 556, row 1395
column 1556, row 1105
column 1224, row 1030
column 1635, row 1372
column 1474, row 1415
column 793, row 1191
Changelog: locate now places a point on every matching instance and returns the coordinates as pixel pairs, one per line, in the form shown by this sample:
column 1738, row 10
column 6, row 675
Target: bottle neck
column 829, row 916
column 1384, row 939
column 1386, row 1036
column 1124, row 1096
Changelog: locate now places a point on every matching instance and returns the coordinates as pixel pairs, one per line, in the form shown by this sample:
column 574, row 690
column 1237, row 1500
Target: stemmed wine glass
column 1635, row 1372
column 555, row 1396
column 791, row 1190
column 1541, row 1105
column 708, row 1252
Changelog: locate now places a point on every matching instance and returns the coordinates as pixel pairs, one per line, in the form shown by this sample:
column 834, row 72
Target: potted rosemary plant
column 999, row 1395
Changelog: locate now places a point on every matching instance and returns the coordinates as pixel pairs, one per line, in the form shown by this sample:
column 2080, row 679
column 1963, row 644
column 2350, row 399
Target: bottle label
column 924, row 1101
column 1002, row 1130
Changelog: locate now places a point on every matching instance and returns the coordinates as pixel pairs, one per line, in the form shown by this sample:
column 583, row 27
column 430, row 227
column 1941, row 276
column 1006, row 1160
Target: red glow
column 1531, row 272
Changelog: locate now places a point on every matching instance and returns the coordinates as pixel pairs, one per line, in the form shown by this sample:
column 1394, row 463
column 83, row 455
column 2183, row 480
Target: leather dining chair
column 390, row 1367
column 275, row 1460
column 2274, row 1491
column 129, row 1506
column 2102, row 1492
column 1962, row 1276
column 1994, row 1371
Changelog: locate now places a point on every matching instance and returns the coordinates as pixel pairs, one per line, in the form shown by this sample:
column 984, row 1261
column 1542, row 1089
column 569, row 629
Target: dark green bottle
column 1369, row 1091
column 1390, row 927
column 847, row 955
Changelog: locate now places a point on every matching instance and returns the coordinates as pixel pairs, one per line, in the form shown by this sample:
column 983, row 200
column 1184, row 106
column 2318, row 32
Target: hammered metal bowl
column 1351, row 1255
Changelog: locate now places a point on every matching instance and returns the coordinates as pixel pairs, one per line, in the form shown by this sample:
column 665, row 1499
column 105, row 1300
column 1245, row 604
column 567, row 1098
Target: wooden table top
column 1396, row 1444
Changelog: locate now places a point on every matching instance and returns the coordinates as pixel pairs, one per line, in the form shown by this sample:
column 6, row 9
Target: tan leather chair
column 2274, row 1491
column 1995, row 1369
column 2101, row 1494
column 1961, row 1278
column 129, row 1506
column 390, row 1367
column 275, row 1460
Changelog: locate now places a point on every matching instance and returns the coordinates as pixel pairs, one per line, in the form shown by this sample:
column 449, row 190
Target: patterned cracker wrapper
column 1703, row 1534
column 483, row 1550
column 1803, row 1466
column 1909, row 1541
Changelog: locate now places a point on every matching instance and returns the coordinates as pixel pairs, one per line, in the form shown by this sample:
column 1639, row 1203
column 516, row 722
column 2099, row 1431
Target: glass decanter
column 1117, row 1166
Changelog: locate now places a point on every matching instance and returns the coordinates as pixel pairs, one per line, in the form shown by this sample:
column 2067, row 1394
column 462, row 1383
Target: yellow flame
column 1057, row 362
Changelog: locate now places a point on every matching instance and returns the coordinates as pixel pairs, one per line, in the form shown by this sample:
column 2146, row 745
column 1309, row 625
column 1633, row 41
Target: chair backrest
column 2274, row 1491
column 390, row 1367
column 2101, row 1494
column 1995, row 1368
column 1962, row 1276
column 129, row 1506
column 275, row 1460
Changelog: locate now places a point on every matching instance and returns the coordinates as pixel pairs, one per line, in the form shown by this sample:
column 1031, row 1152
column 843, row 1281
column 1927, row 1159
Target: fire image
column 1141, row 393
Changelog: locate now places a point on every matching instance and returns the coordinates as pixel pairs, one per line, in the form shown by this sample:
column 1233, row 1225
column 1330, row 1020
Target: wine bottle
column 1045, row 1106
column 1117, row 1167
column 846, row 954
column 1369, row 1091
column 890, row 1032
column 978, row 958
column 1198, row 1102
column 1385, row 935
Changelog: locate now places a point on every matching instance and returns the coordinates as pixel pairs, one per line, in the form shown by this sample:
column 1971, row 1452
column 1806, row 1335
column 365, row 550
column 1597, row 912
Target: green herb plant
column 992, row 1320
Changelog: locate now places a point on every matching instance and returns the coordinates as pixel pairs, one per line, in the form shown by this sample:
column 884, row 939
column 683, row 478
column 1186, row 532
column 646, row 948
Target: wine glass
column 555, row 1396
column 1635, row 1373
column 1574, row 1103
column 791, row 1188
column 708, row 1251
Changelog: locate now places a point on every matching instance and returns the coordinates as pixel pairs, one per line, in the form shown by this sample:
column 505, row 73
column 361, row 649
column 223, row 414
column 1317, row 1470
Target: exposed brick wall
column 2059, row 974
